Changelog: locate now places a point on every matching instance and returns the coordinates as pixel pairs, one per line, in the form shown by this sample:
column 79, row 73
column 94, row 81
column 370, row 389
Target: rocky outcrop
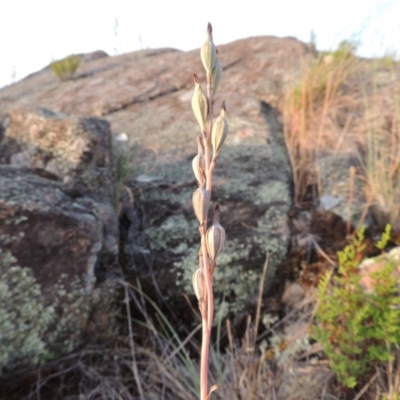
column 253, row 185
column 146, row 95
column 58, row 235
column 55, row 252
column 75, row 151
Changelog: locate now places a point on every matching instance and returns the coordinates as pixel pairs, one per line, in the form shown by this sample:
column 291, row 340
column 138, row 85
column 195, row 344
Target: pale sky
column 35, row 32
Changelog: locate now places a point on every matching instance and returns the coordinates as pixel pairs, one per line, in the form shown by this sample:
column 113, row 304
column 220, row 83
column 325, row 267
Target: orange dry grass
column 313, row 115
column 382, row 161
column 341, row 105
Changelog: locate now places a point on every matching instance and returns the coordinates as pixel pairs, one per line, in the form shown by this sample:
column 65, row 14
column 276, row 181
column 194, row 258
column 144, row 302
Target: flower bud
column 199, row 163
column 200, row 104
column 220, row 130
column 208, row 52
column 215, row 236
column 216, row 76
column 199, row 284
column 201, row 202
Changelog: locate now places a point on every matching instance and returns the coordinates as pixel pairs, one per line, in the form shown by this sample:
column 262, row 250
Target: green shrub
column 66, row 67
column 345, row 50
column 356, row 327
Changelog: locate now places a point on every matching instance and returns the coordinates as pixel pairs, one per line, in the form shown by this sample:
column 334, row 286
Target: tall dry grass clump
column 312, row 112
column 209, row 141
column 343, row 104
column 382, row 155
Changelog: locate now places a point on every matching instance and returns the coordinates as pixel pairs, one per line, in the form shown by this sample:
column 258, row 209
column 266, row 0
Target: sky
column 35, row 32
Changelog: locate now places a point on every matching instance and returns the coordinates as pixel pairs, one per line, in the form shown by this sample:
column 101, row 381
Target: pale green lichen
column 6, row 239
column 74, row 309
column 30, row 330
column 15, row 219
column 233, row 279
column 272, row 191
column 236, row 277
column 250, row 180
column 24, row 318
column 170, row 233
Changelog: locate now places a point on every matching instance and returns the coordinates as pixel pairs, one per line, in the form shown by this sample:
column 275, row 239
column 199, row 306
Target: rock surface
column 146, row 95
column 371, row 266
column 53, row 250
column 342, row 193
column 58, row 235
column 75, row 151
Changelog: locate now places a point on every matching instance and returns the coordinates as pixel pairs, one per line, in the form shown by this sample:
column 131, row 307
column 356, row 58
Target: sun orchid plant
column 209, row 142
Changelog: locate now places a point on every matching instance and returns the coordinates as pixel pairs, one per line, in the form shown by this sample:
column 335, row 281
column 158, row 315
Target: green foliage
column 395, row 397
column 356, row 328
column 346, row 50
column 23, row 316
column 384, row 240
column 66, row 67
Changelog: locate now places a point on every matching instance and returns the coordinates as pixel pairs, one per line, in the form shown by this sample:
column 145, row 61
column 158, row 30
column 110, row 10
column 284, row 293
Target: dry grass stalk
column 342, row 104
column 209, row 142
column 311, row 112
column 382, row 159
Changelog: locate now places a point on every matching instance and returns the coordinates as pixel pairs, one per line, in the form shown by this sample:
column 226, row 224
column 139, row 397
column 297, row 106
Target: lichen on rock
column 55, row 254
column 24, row 318
column 253, row 185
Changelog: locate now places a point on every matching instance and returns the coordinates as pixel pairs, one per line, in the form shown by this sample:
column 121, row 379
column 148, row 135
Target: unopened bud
column 199, row 284
column 200, row 104
column 216, row 76
column 208, row 52
column 201, row 202
column 220, row 130
column 215, row 236
column 199, row 163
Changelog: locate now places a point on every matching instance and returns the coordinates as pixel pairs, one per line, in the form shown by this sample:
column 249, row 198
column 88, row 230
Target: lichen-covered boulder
column 252, row 182
column 146, row 95
column 56, row 252
column 76, row 151
column 58, row 234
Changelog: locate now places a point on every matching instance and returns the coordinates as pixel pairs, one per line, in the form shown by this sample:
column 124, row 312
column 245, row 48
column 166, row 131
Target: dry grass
column 382, row 135
column 345, row 105
column 313, row 114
